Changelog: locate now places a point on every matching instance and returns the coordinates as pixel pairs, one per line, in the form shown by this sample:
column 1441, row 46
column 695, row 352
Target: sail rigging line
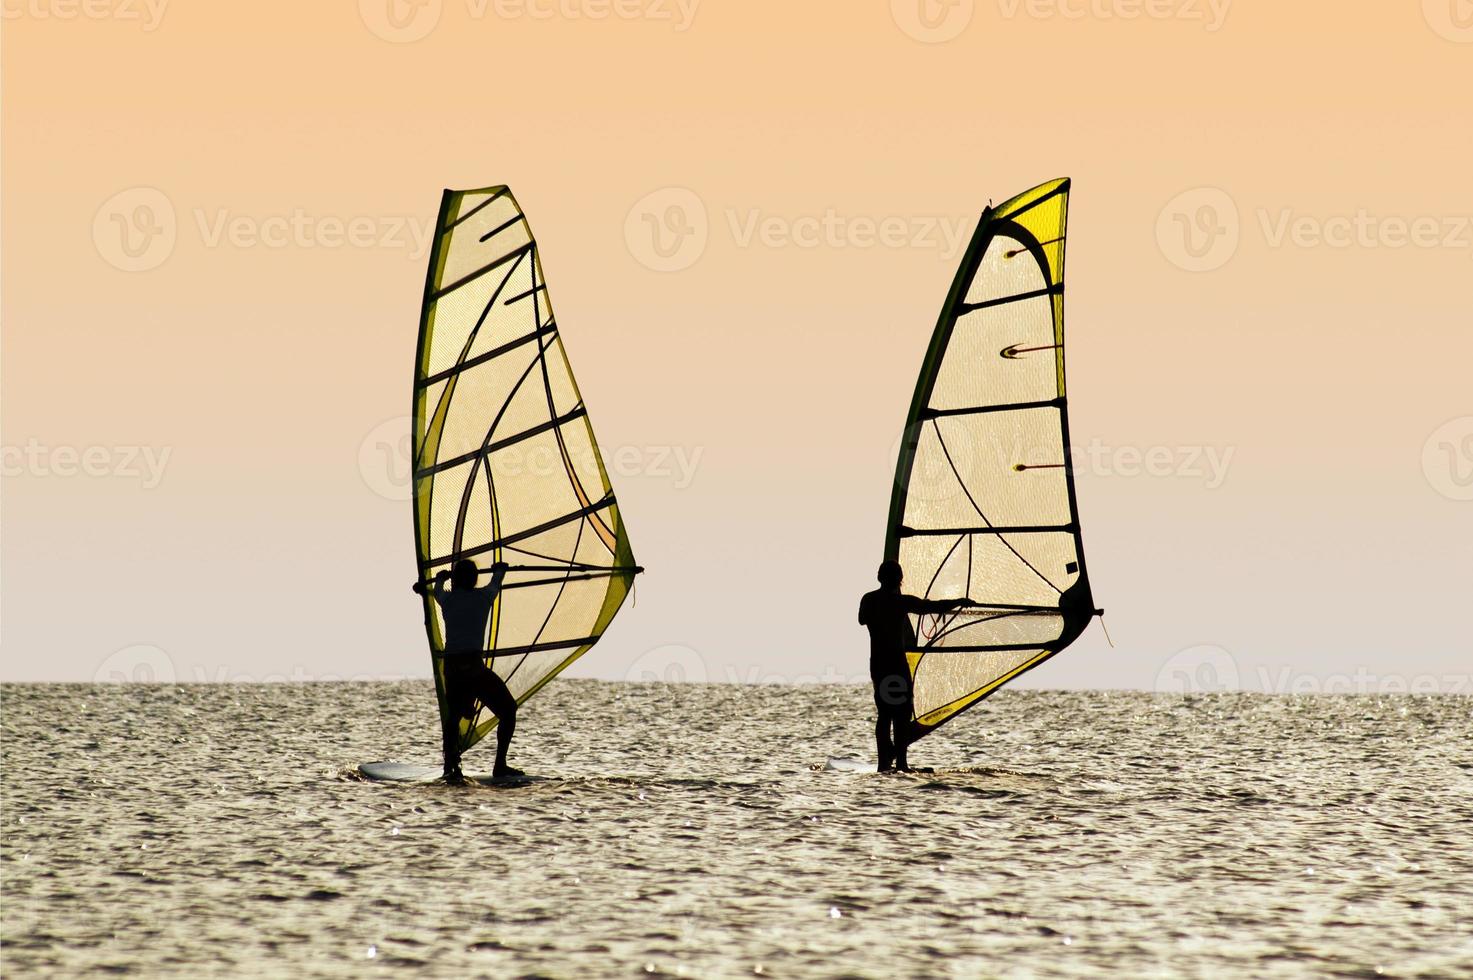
column 460, row 366
column 1057, row 290
column 531, row 532
column 481, row 456
column 605, row 533
column 492, row 199
column 500, row 228
column 973, row 501
column 552, row 607
column 470, row 277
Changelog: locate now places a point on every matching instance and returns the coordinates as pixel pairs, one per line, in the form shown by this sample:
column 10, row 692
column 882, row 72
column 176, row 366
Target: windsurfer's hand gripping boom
column 497, row 572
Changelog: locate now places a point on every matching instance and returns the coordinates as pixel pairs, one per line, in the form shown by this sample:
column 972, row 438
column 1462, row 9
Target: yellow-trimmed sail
column 984, row 504
column 506, row 467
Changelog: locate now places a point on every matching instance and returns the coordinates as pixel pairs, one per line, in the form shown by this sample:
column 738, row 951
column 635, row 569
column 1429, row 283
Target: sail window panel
column 534, row 669
column 585, row 471
column 599, row 546
column 1007, row 269
column 467, row 254
column 1013, row 569
column 475, row 404
column 974, row 371
column 942, row 679
column 519, row 622
column 565, row 396
column 574, row 614
column 1023, row 569
column 994, row 627
column 964, row 473
column 475, row 314
column 532, row 484
column 502, row 324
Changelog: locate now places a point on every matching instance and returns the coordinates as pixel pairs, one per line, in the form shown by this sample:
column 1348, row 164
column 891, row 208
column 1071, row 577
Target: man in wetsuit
column 468, row 679
column 887, row 611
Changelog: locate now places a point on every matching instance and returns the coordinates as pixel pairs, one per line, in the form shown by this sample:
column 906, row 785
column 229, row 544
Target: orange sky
column 212, row 258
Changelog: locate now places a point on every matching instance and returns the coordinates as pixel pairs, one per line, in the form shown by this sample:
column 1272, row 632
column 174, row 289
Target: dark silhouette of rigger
column 887, row 611
column 467, row 678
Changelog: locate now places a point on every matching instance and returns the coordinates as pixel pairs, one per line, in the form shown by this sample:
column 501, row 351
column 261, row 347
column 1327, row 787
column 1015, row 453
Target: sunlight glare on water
column 694, row 830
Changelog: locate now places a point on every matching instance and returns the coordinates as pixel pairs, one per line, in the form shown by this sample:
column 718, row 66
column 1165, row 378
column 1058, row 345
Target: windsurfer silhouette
column 887, row 611
column 468, row 679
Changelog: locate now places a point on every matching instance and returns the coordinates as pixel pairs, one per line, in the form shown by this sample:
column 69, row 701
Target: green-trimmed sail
column 506, row 467
column 983, row 504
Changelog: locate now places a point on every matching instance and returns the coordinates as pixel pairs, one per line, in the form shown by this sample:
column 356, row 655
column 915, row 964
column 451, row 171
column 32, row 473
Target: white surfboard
column 408, row 772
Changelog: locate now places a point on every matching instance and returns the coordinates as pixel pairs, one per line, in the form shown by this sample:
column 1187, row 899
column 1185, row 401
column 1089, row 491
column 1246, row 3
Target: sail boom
column 912, row 532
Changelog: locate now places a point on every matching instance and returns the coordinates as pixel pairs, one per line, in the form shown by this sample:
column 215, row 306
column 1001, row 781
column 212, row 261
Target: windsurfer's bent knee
column 467, row 677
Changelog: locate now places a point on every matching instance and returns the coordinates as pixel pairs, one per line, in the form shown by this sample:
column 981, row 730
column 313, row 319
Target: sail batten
column 984, row 504
column 506, row 467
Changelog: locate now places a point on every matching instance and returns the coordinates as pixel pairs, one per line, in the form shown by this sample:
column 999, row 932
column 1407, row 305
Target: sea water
column 682, row 830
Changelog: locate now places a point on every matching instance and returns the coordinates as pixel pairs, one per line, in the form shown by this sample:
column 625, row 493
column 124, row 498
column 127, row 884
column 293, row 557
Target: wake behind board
column 408, row 772
column 846, row 764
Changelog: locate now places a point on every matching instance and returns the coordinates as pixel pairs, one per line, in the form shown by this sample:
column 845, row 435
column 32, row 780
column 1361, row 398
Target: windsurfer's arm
column 498, row 575
column 432, row 588
column 930, row 607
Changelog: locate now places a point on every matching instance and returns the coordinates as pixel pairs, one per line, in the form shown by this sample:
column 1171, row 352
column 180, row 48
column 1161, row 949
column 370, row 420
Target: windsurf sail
column 983, row 505
column 506, row 467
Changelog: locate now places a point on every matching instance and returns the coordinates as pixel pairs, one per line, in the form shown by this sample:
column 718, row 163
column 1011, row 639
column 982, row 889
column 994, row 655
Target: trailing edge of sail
column 506, row 467
column 983, row 505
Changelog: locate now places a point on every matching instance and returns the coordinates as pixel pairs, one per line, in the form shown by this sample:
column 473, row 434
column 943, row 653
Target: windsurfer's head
column 891, row 574
column 464, row 573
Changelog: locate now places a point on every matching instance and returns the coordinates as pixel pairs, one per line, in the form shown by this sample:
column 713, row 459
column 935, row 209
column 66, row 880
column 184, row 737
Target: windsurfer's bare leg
column 884, row 748
column 498, row 698
column 450, row 738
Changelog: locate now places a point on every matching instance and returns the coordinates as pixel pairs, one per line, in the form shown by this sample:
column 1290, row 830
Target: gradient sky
column 213, row 263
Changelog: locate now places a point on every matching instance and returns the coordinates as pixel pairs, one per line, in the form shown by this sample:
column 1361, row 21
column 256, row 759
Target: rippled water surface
column 681, row 830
